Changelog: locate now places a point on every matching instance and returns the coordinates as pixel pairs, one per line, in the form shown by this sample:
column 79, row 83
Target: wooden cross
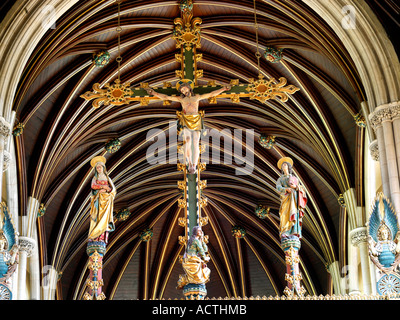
column 187, row 34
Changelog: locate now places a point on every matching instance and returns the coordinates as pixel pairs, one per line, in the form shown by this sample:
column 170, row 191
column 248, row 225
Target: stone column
column 5, row 130
column 382, row 160
column 396, row 133
column 356, row 220
column 351, row 207
column 372, row 269
column 29, row 230
column 386, row 122
column 359, row 238
column 34, row 268
column 393, row 173
column 372, row 176
column 334, row 271
column 351, row 278
column 27, row 246
column 11, row 175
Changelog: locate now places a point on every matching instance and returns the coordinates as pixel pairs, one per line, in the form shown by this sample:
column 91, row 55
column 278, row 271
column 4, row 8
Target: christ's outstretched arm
column 214, row 93
column 162, row 96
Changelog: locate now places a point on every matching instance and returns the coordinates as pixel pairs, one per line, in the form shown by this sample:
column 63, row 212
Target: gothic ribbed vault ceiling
column 316, row 127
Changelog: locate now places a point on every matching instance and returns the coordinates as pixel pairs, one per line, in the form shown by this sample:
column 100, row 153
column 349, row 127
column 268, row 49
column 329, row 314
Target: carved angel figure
column 384, row 235
column 8, row 246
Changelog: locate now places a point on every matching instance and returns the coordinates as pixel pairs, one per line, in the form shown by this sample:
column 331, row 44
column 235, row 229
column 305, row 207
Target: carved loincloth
column 194, row 122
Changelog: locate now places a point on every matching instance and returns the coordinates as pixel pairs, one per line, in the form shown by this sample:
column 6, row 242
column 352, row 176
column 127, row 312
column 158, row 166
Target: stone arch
column 369, row 46
column 379, row 68
column 20, row 32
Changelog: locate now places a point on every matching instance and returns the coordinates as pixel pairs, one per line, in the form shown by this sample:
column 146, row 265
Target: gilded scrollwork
column 182, row 240
column 203, row 221
column 187, row 32
column 182, row 221
column 203, row 202
column 202, row 184
column 114, row 94
column 263, row 90
column 182, row 203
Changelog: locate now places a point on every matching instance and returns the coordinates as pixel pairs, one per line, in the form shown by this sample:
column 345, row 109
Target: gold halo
column 97, row 159
column 284, row 159
column 180, row 82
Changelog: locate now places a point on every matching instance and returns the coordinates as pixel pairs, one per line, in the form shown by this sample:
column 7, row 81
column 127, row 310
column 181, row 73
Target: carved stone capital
column 374, row 150
column 358, row 235
column 27, row 245
column 5, row 128
column 386, row 112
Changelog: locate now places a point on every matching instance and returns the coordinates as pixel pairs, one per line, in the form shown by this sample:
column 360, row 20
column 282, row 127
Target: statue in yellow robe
column 195, row 261
column 102, row 202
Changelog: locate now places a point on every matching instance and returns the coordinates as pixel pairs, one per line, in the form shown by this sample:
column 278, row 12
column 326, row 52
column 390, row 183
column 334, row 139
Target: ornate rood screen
column 187, row 34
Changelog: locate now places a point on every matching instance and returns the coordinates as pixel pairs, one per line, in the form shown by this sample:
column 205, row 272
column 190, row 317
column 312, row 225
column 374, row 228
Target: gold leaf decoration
column 114, row 94
column 264, row 90
column 187, row 34
column 182, row 221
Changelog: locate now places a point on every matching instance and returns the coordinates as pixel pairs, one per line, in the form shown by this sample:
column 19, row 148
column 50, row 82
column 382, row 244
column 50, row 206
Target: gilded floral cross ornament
column 264, row 90
column 114, row 94
column 187, row 35
column 187, row 29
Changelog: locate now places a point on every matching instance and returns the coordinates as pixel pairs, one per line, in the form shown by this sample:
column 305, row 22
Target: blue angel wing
column 374, row 221
column 390, row 218
column 9, row 230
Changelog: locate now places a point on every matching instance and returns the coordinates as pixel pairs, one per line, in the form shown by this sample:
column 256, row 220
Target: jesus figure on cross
column 189, row 119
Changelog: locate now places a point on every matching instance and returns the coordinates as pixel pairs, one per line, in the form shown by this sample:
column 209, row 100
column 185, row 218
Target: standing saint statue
column 102, row 202
column 195, row 261
column 101, row 223
column 189, row 119
column 291, row 212
column 293, row 200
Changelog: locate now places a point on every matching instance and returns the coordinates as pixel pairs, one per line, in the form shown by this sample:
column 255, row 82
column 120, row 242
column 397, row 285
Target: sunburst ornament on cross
column 114, row 94
column 264, row 90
